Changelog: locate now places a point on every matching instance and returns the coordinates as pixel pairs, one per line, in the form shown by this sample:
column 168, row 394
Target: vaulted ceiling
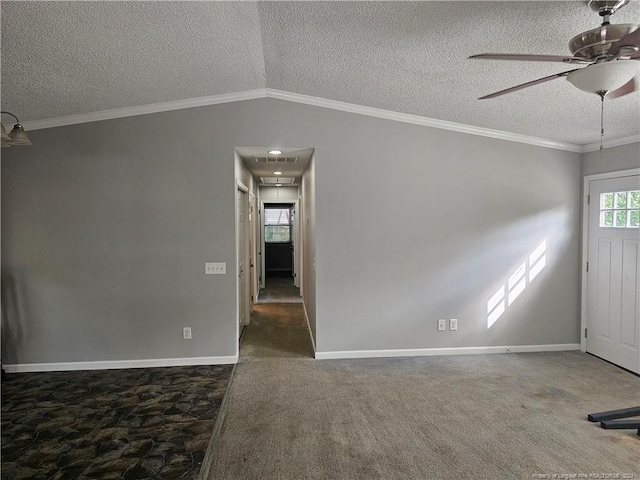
column 68, row 58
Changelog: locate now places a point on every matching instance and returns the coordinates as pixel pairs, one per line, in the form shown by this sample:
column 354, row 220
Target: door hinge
column 585, row 333
column 588, row 199
column 587, row 266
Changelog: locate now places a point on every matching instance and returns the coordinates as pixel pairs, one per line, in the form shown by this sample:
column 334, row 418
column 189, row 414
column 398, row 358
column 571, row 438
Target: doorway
column 279, row 284
column 280, row 259
column 612, row 330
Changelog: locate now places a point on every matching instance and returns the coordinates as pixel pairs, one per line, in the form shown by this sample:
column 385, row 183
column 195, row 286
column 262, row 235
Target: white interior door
column 613, row 278
column 253, row 277
column 242, row 260
column 262, row 276
column 294, row 243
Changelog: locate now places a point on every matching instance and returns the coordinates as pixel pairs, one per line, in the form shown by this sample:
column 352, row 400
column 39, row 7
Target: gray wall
column 423, row 224
column 243, row 175
column 613, row 159
column 278, row 194
column 106, row 227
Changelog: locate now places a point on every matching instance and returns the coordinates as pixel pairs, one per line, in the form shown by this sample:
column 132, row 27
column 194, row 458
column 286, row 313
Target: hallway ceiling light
column 277, row 173
column 275, row 152
column 17, row 136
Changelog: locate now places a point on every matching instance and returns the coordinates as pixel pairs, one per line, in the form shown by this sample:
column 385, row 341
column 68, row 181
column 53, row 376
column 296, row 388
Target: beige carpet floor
column 288, row 416
column 279, row 290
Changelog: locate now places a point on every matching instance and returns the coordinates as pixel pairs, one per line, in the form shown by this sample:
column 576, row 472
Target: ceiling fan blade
column 630, row 40
column 629, row 87
column 528, row 84
column 529, row 58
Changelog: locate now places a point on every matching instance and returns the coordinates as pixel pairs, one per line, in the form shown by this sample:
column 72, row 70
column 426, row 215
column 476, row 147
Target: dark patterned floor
column 147, row 423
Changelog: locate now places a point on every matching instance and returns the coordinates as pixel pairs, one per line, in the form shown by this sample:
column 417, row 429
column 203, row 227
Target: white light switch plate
column 442, row 325
column 211, row 268
column 453, row 324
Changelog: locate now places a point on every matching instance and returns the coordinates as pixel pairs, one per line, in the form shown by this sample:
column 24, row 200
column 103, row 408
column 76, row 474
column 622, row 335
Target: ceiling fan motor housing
column 607, row 7
column 594, row 44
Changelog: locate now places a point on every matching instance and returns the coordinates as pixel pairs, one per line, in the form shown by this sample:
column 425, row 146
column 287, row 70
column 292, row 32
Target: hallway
column 279, row 289
column 276, row 330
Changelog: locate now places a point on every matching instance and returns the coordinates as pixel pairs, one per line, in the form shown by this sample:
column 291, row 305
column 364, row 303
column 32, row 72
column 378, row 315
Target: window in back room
column 277, row 225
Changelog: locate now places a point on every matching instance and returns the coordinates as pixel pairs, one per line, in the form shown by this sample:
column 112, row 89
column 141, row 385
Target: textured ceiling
column 64, row 58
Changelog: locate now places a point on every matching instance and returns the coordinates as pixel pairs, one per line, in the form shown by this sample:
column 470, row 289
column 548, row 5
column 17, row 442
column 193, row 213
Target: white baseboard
column 306, row 317
column 423, row 352
column 115, row 364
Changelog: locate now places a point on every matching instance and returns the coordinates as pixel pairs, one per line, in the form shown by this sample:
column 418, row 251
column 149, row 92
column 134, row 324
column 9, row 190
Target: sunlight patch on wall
column 516, row 284
column 495, row 306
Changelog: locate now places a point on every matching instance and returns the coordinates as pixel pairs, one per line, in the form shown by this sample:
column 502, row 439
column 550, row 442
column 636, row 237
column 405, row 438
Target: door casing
column 242, row 253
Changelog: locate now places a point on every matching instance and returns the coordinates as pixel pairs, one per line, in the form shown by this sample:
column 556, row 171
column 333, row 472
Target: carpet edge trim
column 313, row 341
column 117, row 364
column 422, row 352
column 205, row 468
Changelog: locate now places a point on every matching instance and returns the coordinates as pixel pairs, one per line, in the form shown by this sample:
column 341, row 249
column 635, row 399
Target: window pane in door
column 621, row 218
column 606, row 200
column 606, row 218
column 621, row 199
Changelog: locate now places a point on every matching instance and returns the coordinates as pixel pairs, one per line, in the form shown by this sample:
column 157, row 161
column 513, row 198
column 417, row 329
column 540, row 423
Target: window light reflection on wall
column 517, row 282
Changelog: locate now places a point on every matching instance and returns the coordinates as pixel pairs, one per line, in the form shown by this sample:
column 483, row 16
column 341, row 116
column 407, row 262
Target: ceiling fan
column 610, row 53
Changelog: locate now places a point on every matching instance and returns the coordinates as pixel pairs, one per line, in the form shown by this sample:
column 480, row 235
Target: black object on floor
column 620, row 424
column 614, row 414
column 611, row 419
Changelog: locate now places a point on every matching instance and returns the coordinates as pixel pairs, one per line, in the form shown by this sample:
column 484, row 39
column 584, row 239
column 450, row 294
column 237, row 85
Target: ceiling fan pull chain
column 601, row 94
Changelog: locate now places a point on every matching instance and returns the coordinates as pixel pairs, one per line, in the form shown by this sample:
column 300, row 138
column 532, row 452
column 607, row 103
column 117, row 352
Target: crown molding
column 144, row 109
column 594, row 147
column 318, row 102
column 418, row 120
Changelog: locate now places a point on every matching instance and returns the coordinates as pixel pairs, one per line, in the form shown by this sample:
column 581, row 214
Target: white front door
column 613, row 278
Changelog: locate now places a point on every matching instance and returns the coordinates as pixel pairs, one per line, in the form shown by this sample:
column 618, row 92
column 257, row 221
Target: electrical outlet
column 442, row 325
column 186, row 333
column 211, row 268
column 453, row 324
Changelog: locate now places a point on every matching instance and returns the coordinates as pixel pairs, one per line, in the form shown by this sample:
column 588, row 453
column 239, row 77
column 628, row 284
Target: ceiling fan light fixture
column 17, row 136
column 275, row 152
column 4, row 137
column 604, row 77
